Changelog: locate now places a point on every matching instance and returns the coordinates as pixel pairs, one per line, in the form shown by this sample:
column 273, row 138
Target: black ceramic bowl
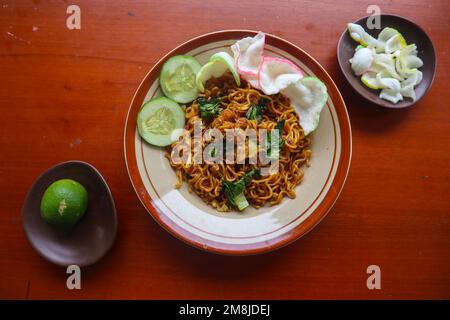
column 92, row 237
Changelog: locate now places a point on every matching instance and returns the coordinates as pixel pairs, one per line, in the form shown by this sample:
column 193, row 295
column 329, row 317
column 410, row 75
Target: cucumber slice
column 229, row 61
column 385, row 35
column 395, row 43
column 370, row 80
column 407, row 61
column 160, row 121
column 177, row 78
column 211, row 69
column 218, row 64
column 358, row 34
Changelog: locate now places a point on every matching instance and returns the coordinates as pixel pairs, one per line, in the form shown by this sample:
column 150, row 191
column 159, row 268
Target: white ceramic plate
column 187, row 217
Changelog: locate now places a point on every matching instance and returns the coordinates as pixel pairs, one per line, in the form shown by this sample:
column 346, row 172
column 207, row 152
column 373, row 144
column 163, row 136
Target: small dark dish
column 91, row 238
column 413, row 34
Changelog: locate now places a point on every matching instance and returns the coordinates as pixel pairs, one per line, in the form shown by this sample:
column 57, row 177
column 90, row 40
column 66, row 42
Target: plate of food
column 392, row 66
column 237, row 142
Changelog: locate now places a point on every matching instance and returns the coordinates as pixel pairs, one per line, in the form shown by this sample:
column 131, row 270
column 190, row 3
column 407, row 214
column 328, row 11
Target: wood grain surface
column 64, row 95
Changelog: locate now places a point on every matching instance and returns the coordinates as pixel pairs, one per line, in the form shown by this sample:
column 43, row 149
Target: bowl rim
column 363, row 93
column 258, row 247
column 114, row 211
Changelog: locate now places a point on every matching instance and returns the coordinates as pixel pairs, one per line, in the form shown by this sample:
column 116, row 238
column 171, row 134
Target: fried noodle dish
column 243, row 107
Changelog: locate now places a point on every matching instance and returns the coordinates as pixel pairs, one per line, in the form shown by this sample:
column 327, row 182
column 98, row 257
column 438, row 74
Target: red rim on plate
column 322, row 208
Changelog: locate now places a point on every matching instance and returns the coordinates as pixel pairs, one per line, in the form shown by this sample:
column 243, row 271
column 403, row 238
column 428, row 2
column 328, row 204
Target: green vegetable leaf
column 246, row 178
column 234, row 191
column 255, row 111
column 280, row 126
column 209, row 108
column 273, row 151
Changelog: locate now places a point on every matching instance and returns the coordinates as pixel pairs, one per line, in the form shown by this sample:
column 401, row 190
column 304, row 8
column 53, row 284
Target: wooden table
column 64, row 95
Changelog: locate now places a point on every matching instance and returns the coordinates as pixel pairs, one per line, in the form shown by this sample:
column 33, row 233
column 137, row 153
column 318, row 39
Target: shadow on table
column 234, row 269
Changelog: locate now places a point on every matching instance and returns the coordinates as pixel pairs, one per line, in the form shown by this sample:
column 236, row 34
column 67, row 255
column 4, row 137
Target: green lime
column 64, row 203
